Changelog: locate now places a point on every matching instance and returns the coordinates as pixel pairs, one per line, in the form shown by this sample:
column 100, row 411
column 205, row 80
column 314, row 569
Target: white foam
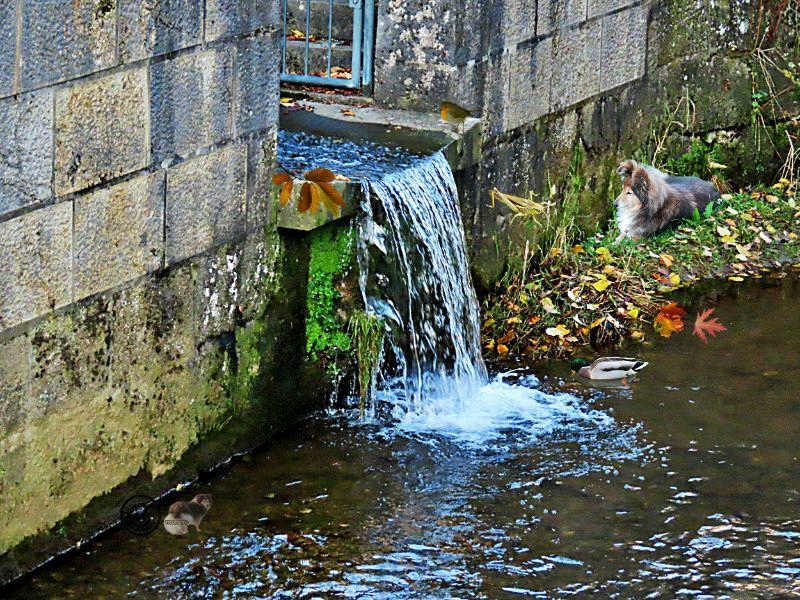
column 472, row 412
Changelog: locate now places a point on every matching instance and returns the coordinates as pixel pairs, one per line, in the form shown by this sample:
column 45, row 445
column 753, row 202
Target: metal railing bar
column 358, row 21
column 285, row 9
column 315, row 80
column 308, row 31
column 330, row 35
column 369, row 41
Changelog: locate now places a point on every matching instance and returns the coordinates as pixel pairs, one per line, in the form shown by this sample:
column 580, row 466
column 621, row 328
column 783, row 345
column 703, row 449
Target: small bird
column 608, row 367
column 183, row 514
column 453, row 113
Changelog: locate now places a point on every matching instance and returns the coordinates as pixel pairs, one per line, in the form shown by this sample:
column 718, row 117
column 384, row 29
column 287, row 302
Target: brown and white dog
column 652, row 201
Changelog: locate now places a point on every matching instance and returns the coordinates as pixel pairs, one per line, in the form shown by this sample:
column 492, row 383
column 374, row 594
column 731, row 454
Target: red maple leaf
column 704, row 325
column 669, row 319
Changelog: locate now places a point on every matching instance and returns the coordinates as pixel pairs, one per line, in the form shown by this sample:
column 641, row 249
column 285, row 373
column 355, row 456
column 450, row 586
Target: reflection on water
column 683, row 484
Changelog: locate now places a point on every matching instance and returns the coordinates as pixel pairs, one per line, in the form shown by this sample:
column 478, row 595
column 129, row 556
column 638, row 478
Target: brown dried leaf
column 320, row 175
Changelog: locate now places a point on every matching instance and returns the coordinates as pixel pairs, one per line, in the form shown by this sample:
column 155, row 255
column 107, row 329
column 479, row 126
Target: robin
column 453, row 113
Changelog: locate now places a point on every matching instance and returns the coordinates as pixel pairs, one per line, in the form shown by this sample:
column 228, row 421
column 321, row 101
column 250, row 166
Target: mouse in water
column 183, row 514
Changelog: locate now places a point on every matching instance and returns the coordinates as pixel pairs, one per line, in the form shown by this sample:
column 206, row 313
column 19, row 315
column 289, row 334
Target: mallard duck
column 608, row 367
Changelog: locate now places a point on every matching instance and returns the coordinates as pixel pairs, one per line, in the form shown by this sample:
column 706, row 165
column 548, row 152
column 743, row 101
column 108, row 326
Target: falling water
column 414, row 274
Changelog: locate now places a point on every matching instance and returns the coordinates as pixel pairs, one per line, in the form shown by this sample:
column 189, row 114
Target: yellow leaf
column 557, row 331
column 601, row 284
column 513, row 320
column 637, row 335
column 723, row 231
column 597, row 322
column 728, row 239
column 608, row 269
column 488, row 323
column 604, row 253
column 547, row 305
column 674, row 278
column 577, row 249
column 502, row 349
column 633, row 313
column 736, row 278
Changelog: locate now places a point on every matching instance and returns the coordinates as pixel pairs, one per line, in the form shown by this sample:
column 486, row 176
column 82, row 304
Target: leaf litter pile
column 599, row 292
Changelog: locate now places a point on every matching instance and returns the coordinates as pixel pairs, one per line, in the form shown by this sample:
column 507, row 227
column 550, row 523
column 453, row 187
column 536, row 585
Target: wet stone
column 14, row 375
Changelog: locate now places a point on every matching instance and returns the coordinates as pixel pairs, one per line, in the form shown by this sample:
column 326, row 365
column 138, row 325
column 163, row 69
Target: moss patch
column 332, row 255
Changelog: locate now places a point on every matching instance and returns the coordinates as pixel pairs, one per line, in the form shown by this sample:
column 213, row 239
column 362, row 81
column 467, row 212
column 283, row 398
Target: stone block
column 70, row 358
column 520, row 21
column 260, row 167
column 206, row 199
column 558, row 14
column 8, row 46
column 578, row 78
column 14, row 380
column 152, row 344
column 63, row 39
column 118, row 234
column 191, row 102
column 257, row 83
column 602, row 7
column 158, row 26
column 101, row 130
column 35, row 274
column 216, row 295
column 26, row 158
column 624, row 47
column 529, row 84
column 227, row 18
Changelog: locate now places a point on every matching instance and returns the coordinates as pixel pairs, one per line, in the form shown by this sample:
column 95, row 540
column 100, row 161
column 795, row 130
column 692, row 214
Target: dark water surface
column 685, row 484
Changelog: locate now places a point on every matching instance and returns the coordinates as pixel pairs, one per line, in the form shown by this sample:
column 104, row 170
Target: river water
column 522, row 483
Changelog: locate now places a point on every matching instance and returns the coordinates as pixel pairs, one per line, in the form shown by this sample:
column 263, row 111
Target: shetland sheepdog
column 652, row 201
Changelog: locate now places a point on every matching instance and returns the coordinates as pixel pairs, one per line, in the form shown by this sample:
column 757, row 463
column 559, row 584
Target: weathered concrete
column 35, row 278
column 26, row 160
column 205, row 202
column 62, row 39
column 191, row 102
column 119, row 234
column 157, row 27
column 137, row 316
column 101, row 130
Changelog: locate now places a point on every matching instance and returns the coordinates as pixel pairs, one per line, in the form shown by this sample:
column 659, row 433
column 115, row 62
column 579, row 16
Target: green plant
column 367, row 332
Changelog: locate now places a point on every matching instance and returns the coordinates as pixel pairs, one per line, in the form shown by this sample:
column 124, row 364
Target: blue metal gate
column 340, row 56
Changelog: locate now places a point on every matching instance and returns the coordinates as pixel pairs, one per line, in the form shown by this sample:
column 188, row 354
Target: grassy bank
column 596, row 292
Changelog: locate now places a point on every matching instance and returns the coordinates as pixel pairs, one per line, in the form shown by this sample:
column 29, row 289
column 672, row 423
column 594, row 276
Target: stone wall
column 553, row 79
column 144, row 294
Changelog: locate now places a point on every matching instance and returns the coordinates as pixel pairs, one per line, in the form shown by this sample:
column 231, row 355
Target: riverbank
column 595, row 292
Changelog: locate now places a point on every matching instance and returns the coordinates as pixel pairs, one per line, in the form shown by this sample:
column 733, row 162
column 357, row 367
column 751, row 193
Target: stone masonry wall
column 140, row 274
column 552, row 77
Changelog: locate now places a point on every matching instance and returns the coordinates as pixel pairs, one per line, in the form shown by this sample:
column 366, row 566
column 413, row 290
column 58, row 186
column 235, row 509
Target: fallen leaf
column 737, row 278
column 703, row 325
column 601, row 284
column 669, row 320
column 674, row 279
column 723, row 231
column 577, row 249
column 604, row 253
column 666, row 260
column 348, row 113
column 557, row 331
column 502, row 349
column 547, row 305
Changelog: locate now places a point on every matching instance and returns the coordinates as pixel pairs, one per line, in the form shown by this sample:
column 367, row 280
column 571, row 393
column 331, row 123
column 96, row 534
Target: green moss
column 696, row 161
column 332, row 252
column 367, row 332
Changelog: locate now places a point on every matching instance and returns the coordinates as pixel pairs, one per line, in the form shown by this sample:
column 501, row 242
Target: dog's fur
column 652, row 201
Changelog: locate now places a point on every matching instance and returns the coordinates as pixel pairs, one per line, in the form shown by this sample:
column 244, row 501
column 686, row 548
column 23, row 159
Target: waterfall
column 414, row 275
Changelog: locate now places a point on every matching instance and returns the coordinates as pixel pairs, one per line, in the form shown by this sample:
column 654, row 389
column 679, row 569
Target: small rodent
column 183, row 514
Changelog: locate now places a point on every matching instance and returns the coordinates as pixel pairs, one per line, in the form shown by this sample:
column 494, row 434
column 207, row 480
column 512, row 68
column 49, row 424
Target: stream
column 684, row 484
column 467, row 483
